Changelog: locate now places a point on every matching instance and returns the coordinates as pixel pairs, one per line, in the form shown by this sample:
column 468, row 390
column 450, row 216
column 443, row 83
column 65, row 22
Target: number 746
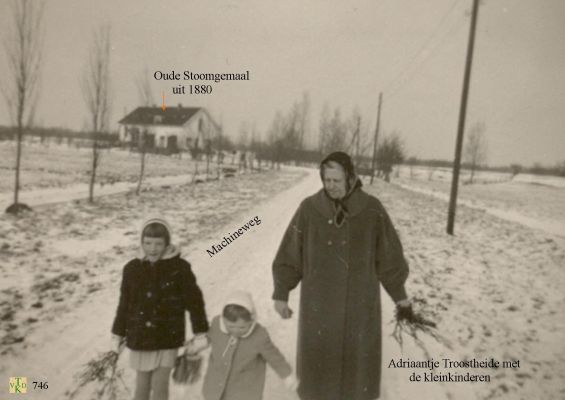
column 40, row 385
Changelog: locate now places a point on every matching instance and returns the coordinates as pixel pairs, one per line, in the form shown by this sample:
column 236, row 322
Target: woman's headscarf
column 352, row 183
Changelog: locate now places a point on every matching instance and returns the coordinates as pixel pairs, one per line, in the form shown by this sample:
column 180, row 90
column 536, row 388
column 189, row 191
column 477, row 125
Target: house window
column 157, row 119
column 189, row 142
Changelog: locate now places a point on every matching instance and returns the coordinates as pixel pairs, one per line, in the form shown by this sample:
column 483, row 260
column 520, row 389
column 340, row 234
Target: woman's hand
column 404, row 303
column 282, row 308
column 291, row 382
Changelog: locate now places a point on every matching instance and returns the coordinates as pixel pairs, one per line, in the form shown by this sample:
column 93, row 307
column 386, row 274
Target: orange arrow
column 163, row 107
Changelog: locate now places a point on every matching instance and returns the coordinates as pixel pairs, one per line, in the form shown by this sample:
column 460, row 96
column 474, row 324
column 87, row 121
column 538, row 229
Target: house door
column 172, row 144
column 134, row 132
column 149, row 141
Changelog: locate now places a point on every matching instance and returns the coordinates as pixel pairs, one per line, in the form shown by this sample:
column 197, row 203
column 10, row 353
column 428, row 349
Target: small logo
column 18, row 384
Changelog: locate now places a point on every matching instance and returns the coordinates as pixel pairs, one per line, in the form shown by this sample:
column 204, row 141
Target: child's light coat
column 237, row 366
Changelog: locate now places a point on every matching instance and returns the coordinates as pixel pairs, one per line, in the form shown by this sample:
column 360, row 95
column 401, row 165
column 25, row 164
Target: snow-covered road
column 55, row 354
column 465, row 275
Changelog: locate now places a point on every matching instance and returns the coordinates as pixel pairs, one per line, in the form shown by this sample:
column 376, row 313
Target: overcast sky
column 341, row 52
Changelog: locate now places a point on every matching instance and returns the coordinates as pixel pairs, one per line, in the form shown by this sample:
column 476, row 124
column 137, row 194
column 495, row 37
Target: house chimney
column 180, row 105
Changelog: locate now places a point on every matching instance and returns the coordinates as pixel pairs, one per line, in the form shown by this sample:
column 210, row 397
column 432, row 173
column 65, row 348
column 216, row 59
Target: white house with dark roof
column 175, row 129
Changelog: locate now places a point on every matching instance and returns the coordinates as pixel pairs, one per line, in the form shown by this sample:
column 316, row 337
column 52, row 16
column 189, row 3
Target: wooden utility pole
column 357, row 142
column 219, row 152
column 461, row 125
column 374, row 162
column 353, row 147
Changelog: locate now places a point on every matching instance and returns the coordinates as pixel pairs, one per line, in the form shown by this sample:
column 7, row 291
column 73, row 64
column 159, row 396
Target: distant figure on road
column 340, row 245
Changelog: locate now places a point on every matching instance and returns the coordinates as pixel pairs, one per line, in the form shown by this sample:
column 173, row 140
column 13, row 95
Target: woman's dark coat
column 339, row 330
column 153, row 301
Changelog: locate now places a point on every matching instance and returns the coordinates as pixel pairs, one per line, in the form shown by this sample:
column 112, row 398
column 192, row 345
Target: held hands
column 198, row 343
column 282, row 308
column 291, row 383
column 118, row 343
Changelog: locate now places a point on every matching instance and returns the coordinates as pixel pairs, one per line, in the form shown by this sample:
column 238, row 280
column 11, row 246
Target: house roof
column 171, row 116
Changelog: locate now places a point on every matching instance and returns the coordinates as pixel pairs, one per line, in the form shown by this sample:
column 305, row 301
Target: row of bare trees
column 23, row 46
column 286, row 138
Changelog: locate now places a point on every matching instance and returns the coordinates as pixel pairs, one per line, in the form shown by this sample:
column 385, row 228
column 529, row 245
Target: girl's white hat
column 157, row 220
column 171, row 250
column 243, row 299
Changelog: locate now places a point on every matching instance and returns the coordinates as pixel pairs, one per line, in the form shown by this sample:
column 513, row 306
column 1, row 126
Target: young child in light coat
column 241, row 349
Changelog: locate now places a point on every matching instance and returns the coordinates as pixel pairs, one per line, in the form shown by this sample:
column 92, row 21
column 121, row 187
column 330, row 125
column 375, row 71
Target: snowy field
column 496, row 287
column 57, row 166
column 535, row 201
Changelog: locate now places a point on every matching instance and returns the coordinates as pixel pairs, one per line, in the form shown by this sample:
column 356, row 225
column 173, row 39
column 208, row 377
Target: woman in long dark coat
column 340, row 245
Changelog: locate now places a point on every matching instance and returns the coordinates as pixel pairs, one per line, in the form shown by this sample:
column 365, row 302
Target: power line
column 443, row 19
column 454, row 27
column 423, row 47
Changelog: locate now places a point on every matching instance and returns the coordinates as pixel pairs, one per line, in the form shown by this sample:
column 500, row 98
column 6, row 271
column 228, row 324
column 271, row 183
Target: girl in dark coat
column 156, row 290
column 341, row 246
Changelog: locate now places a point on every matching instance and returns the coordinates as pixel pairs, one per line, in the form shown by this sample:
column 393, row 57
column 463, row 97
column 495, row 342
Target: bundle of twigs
column 104, row 373
column 411, row 323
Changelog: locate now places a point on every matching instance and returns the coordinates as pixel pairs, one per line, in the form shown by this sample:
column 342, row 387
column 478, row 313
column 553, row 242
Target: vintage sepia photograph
column 298, row 200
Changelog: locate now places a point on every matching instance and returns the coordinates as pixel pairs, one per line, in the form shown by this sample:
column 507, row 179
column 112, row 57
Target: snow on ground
column 484, row 177
column 529, row 201
column 78, row 191
column 56, row 166
column 495, row 287
column 62, row 254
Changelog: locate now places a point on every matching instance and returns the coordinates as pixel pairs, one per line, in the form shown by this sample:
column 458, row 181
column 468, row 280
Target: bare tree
column 220, row 153
column 243, row 138
column 96, row 91
column 275, row 138
column 302, row 110
column 336, row 137
column 516, row 169
column 324, row 128
column 23, row 48
column 287, row 133
column 389, row 153
column 256, row 147
column 146, row 99
column 243, row 144
column 476, row 147
column 355, row 144
column 412, row 162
